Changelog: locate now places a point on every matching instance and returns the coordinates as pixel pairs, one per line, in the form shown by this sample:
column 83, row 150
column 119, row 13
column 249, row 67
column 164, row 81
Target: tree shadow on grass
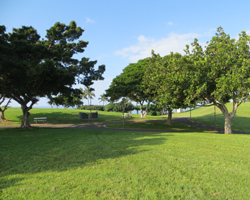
column 59, row 117
column 37, row 150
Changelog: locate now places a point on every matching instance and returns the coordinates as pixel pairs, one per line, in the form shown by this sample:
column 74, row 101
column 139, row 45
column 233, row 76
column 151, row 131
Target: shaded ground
column 102, row 125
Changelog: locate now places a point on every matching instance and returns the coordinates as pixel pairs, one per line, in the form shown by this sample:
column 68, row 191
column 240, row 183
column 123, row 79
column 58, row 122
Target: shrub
column 109, row 107
column 92, row 107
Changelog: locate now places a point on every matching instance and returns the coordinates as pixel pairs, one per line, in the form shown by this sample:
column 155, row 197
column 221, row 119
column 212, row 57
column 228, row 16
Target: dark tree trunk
column 169, row 117
column 2, row 114
column 25, row 120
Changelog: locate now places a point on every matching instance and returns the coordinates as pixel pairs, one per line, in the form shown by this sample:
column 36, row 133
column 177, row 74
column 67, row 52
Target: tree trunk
column 228, row 117
column 227, row 125
column 141, row 109
column 25, row 119
column 146, row 111
column 169, row 117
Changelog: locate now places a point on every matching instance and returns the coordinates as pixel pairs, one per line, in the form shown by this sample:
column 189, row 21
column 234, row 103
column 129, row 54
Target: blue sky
column 122, row 32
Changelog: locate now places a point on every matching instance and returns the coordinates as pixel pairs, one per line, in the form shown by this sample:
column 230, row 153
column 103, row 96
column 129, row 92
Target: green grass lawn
column 205, row 115
column 159, row 125
column 67, row 116
column 104, row 164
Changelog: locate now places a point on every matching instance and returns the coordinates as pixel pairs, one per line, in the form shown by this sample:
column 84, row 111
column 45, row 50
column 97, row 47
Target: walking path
column 102, row 126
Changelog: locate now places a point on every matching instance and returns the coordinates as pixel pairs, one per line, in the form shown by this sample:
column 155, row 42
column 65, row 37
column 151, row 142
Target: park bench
column 43, row 119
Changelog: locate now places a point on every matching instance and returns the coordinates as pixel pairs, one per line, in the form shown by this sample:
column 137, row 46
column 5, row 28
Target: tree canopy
column 31, row 67
column 130, row 84
column 221, row 72
column 163, row 80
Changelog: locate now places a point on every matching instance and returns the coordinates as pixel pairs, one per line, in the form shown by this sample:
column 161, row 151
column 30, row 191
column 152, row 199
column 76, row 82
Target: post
column 123, row 115
column 190, row 112
column 214, row 115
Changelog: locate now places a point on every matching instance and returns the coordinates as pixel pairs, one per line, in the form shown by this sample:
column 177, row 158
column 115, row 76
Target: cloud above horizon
column 174, row 42
column 88, row 20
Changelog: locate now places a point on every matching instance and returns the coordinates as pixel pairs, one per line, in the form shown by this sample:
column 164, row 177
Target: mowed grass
column 205, row 115
column 68, row 116
column 158, row 126
column 105, row 164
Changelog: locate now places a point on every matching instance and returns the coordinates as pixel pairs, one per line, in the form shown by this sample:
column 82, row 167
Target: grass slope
column 103, row 164
column 205, row 115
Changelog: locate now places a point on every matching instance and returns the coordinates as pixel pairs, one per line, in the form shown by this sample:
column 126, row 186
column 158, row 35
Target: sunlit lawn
column 71, row 116
column 68, row 116
column 206, row 115
column 103, row 164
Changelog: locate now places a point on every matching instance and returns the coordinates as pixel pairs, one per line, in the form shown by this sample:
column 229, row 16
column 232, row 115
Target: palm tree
column 103, row 98
column 88, row 94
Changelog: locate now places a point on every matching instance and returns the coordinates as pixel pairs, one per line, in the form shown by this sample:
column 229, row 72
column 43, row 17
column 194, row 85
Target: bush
column 154, row 113
column 109, row 107
column 118, row 107
column 92, row 107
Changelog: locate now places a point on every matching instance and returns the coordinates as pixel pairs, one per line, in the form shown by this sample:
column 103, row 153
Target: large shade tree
column 130, row 84
column 164, row 79
column 221, row 72
column 67, row 101
column 31, row 67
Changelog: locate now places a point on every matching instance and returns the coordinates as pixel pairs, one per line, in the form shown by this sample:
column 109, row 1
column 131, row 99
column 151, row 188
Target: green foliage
column 119, row 107
column 220, row 72
column 164, row 80
column 130, row 84
column 109, row 107
column 88, row 93
column 91, row 107
column 154, row 113
column 31, row 68
column 66, row 101
column 103, row 98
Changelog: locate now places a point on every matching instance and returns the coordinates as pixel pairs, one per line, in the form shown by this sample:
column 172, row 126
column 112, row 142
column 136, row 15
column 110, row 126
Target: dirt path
column 102, row 126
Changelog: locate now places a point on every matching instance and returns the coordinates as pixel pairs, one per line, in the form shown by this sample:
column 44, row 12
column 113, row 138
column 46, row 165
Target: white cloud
column 88, row 20
column 174, row 42
column 170, row 23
